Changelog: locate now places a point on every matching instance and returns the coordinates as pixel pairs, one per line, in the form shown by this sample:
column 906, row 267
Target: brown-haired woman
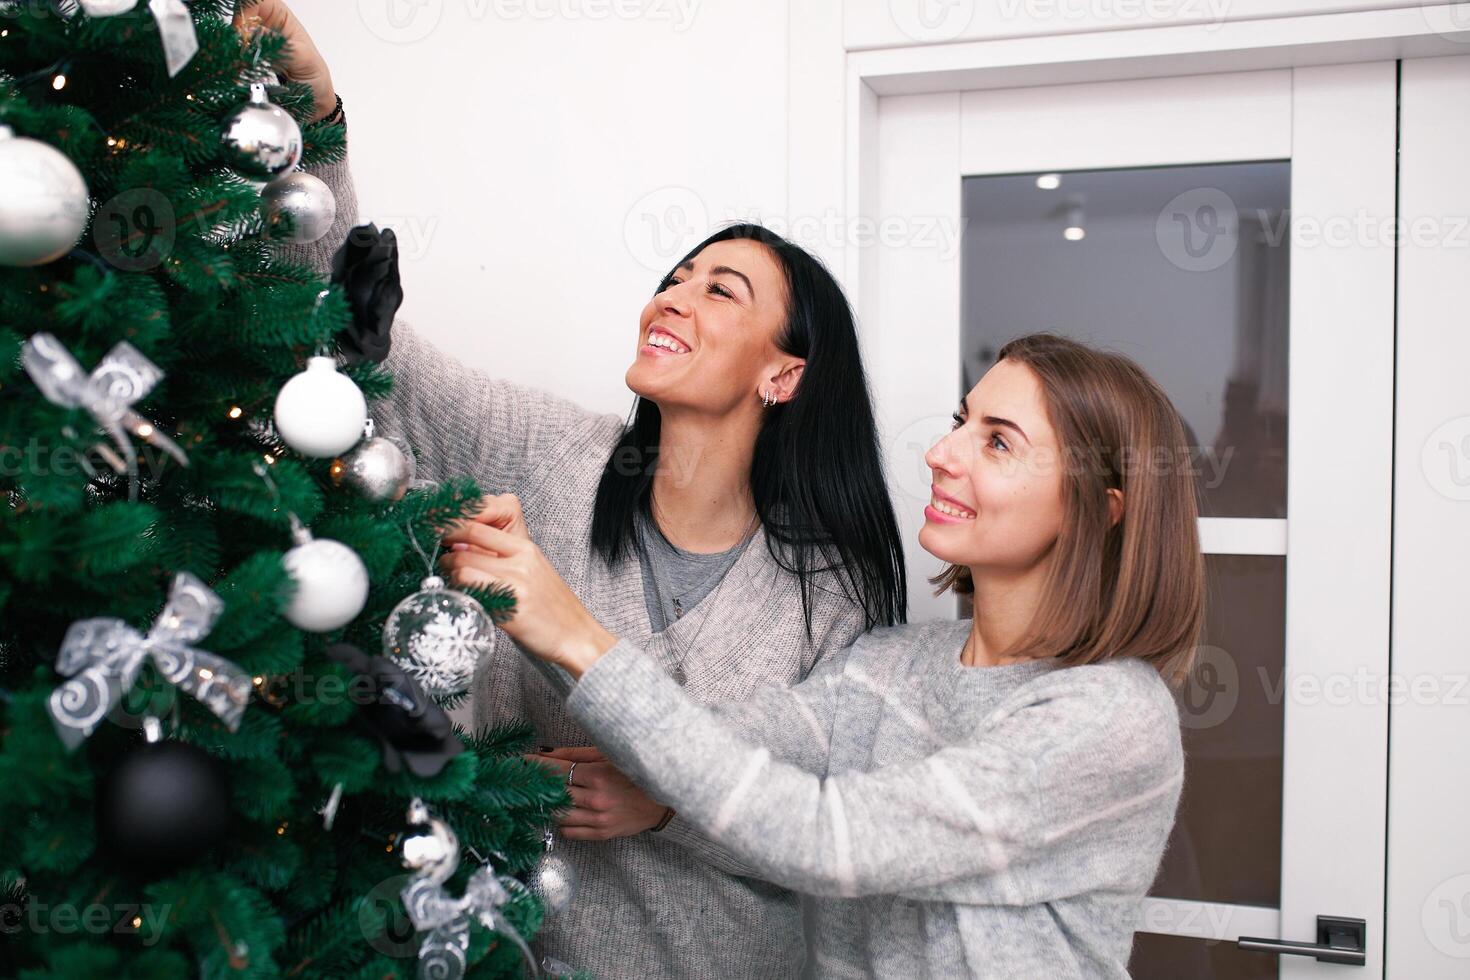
column 984, row 797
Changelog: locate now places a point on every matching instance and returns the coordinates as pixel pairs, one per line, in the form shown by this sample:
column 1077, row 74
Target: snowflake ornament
column 438, row 635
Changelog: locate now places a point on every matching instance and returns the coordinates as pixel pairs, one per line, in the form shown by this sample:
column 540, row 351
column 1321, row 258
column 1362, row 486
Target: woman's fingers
column 548, row 620
column 588, row 809
column 503, row 511
column 576, row 753
column 302, row 61
column 473, row 568
column 486, row 538
column 559, row 765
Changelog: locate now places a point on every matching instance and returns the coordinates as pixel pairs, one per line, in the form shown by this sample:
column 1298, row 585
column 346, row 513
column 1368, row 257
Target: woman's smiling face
column 996, row 500
column 707, row 339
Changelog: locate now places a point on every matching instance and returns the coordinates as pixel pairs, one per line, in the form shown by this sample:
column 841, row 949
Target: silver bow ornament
column 175, row 26
column 123, row 377
column 103, row 656
column 435, row 856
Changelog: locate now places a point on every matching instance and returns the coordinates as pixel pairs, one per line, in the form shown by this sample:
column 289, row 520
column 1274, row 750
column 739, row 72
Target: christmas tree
column 203, row 772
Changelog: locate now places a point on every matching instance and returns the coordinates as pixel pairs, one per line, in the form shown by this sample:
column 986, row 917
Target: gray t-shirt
column 681, row 578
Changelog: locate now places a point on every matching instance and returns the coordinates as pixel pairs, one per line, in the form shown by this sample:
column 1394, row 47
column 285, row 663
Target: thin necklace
column 679, row 649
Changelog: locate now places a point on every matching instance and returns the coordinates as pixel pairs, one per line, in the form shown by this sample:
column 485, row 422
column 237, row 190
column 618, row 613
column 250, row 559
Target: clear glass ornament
column 554, row 881
column 438, row 635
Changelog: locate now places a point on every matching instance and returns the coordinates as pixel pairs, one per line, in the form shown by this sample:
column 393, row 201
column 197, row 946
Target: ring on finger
column 569, row 775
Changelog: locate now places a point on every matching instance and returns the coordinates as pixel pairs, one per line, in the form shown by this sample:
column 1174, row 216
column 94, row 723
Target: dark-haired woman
column 739, row 528
column 975, row 798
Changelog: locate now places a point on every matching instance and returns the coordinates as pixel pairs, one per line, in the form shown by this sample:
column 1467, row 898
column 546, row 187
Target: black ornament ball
column 163, row 806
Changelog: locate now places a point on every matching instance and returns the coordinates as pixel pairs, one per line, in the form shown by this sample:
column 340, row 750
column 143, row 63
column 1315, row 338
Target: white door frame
column 1336, row 124
column 833, row 103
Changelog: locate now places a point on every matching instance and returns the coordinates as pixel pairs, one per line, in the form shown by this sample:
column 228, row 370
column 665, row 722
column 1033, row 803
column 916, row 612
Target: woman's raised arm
column 458, row 421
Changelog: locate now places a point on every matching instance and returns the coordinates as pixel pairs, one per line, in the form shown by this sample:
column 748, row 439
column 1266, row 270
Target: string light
column 236, row 411
column 270, row 460
column 59, row 82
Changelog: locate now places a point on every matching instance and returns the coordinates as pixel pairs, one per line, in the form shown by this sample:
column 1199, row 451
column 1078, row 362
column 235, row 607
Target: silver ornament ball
column 43, row 201
column 331, row 585
column 378, row 469
column 260, row 138
column 438, row 636
column 320, row 412
column 298, row 208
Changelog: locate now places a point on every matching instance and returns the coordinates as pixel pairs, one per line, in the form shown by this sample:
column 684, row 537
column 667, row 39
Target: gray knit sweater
column 667, row 904
column 999, row 822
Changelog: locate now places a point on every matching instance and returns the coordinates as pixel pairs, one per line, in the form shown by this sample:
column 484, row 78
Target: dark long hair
column 816, row 476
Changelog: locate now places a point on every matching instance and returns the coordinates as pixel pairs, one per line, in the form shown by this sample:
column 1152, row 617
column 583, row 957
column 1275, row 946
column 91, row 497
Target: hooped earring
column 767, row 399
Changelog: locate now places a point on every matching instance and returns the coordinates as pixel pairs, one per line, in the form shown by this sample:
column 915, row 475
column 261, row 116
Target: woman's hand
column 494, row 548
column 605, row 803
column 303, row 62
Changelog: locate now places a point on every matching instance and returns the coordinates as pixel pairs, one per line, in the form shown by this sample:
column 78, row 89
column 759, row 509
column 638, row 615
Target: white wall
column 1428, row 928
column 543, row 161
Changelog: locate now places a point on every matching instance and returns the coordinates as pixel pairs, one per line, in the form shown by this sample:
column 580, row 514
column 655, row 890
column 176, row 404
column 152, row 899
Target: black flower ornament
column 413, row 731
column 366, row 267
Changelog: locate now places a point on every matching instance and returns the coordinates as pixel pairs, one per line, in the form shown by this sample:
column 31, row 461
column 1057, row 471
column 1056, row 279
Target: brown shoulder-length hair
column 1134, row 589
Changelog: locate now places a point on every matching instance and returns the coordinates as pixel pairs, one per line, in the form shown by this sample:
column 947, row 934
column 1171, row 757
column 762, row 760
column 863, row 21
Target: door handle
column 1339, row 940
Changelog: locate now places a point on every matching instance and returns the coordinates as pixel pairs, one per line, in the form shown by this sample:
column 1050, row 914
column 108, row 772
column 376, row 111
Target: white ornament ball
column 378, row 469
column 260, row 138
column 320, row 412
column 43, row 201
column 298, row 208
column 331, row 585
column 438, row 635
column 107, row 8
